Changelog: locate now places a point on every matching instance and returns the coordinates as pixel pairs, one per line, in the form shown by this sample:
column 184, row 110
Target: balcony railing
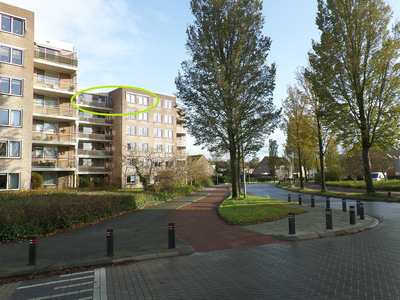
column 57, row 110
column 181, row 130
column 54, row 137
column 59, row 59
column 180, row 143
column 96, row 136
column 54, row 83
column 95, row 103
column 95, row 120
column 93, row 168
column 53, row 163
column 94, row 152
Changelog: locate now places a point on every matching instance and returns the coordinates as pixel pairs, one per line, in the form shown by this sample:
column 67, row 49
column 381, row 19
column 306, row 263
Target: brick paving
column 200, row 226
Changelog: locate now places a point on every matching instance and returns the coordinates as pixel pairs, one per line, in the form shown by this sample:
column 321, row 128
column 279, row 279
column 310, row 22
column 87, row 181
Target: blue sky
column 142, row 43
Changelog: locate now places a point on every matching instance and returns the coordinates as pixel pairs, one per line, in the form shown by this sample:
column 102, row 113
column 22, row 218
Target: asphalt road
column 360, row 266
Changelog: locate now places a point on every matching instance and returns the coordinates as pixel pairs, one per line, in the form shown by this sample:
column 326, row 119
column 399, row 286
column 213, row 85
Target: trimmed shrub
column 36, row 181
column 98, row 182
column 83, row 182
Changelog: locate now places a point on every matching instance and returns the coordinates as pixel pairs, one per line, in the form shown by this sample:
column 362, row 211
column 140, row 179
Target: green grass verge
column 254, row 209
column 356, row 196
column 382, row 185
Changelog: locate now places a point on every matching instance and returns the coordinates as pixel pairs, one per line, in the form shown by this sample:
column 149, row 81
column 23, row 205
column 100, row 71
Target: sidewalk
column 143, row 235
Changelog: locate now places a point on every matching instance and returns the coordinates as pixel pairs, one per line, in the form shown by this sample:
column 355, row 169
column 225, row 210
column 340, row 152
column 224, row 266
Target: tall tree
column 226, row 87
column 357, row 73
column 273, row 159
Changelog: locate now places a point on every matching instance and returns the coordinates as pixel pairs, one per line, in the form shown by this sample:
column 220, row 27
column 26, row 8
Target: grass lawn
column 382, row 185
column 254, row 209
column 357, row 196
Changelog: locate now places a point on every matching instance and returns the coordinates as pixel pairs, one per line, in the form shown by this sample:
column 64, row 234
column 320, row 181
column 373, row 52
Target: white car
column 378, row 176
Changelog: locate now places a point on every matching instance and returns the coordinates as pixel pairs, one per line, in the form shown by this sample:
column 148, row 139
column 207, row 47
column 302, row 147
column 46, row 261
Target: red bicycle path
column 199, row 225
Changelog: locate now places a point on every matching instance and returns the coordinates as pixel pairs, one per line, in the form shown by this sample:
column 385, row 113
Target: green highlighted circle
column 114, row 86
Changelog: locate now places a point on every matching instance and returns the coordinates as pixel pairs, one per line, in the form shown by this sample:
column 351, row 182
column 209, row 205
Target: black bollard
column 328, row 203
column 289, row 198
column 328, row 214
column 33, row 239
column 300, row 203
column 358, row 207
column 171, row 235
column 110, row 242
column 389, row 194
column 352, row 211
column 312, row 201
column 362, row 211
column 344, row 208
column 292, row 225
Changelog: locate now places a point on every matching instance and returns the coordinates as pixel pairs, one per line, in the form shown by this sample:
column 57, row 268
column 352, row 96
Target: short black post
column 328, row 214
column 110, row 242
column 292, row 225
column 352, row 211
column 312, row 201
column 362, row 211
column 344, row 208
column 33, row 239
column 300, row 202
column 171, row 235
column 389, row 194
column 358, row 207
column 328, row 203
column 289, row 198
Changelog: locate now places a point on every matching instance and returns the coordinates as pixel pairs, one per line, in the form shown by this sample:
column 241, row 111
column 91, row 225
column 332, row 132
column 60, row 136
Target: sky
column 142, row 43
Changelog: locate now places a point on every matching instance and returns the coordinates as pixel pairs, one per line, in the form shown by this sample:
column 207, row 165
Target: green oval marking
column 114, row 86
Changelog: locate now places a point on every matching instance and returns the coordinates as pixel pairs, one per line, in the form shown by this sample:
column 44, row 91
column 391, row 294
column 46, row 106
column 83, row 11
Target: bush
column 98, row 182
column 36, row 181
column 83, row 182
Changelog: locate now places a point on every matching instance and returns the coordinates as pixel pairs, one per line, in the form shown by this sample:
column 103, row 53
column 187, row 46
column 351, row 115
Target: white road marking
column 62, row 295
column 79, row 273
column 73, row 285
column 100, row 288
column 53, row 282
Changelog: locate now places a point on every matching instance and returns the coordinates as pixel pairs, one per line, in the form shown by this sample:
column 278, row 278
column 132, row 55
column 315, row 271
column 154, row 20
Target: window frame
column 12, row 18
column 144, row 116
column 142, row 129
column 9, row 113
column 129, row 132
column 158, row 130
column 169, row 103
column 130, row 179
column 11, row 50
column 169, row 119
column 131, row 117
column 167, row 135
column 9, row 148
column 7, row 175
column 10, row 84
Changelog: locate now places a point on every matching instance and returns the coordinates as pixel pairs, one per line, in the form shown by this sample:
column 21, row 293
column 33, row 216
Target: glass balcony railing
column 181, row 143
column 69, row 60
column 55, row 110
column 54, row 83
column 94, row 152
column 53, row 163
column 54, row 137
column 96, row 136
column 93, row 168
column 95, row 103
column 95, row 120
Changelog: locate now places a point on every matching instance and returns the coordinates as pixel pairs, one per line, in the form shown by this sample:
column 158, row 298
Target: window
column 12, row 24
column 85, row 145
column 9, row 181
column 265, row 168
column 131, row 146
column 259, row 168
column 157, row 147
column 10, row 148
column 131, row 179
column 169, row 163
column 130, row 98
column 11, row 55
column 158, row 162
column 143, row 147
column 169, row 119
column 143, row 100
column 159, row 103
column 169, row 148
column 132, row 117
column 169, row 134
column 143, row 162
column 101, row 163
column 45, row 101
column 158, row 118
column 87, row 162
column 143, row 131
column 11, row 86
column 144, row 116
column 46, row 152
column 131, row 130
column 10, row 117
column 85, row 129
column 169, row 104
column 49, row 178
column 158, row 132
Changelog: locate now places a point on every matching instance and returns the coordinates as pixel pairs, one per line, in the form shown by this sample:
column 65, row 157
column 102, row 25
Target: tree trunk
column 300, row 170
column 321, row 157
column 234, row 173
column 367, row 170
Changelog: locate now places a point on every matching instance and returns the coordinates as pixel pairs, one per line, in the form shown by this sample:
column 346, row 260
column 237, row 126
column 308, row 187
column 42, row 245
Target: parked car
column 378, row 176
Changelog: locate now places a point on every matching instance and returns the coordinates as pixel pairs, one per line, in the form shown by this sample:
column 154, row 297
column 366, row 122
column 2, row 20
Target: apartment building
column 40, row 131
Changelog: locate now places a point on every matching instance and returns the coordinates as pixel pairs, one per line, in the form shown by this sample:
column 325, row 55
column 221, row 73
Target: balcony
column 94, row 152
column 54, row 163
column 69, row 60
column 103, row 121
column 180, row 130
column 62, row 138
column 54, row 110
column 54, row 84
column 93, row 169
column 180, row 143
column 95, row 103
column 95, row 136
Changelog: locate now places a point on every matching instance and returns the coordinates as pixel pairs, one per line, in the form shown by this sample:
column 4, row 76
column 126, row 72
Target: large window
column 11, row 86
column 129, row 111
column 143, row 131
column 169, row 119
column 158, row 118
column 158, row 132
column 12, row 24
column 11, row 55
column 46, row 126
column 10, row 148
column 143, row 100
column 9, row 181
column 45, row 101
column 131, row 98
column 144, row 116
column 169, row 134
column 169, row 104
column 130, row 130
column 49, row 178
column 46, row 152
column 10, row 117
